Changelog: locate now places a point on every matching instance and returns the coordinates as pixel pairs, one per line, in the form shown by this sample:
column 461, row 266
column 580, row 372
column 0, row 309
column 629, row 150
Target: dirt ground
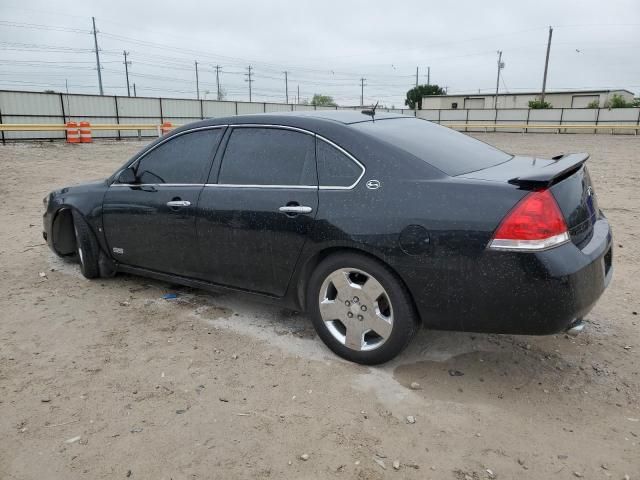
column 106, row 379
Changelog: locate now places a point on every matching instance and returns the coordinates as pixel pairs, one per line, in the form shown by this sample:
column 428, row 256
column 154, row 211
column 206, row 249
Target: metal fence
column 523, row 116
column 58, row 108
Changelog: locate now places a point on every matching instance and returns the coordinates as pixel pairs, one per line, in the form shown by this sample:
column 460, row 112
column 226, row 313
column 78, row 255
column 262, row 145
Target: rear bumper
column 520, row 293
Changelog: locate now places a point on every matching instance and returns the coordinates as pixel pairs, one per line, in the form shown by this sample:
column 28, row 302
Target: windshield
column 452, row 152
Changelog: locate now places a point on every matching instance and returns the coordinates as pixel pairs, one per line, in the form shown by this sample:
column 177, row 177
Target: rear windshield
column 452, row 152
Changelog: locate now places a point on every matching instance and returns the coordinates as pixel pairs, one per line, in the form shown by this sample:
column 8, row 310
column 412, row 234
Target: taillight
column 535, row 223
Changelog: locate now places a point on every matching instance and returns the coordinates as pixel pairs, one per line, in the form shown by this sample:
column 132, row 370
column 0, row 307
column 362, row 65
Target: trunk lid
column 567, row 178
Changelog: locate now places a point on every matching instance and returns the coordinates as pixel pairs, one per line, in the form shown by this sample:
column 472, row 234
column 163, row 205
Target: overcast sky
column 326, row 46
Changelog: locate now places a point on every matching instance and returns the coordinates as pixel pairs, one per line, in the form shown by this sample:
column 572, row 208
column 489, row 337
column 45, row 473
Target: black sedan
column 374, row 225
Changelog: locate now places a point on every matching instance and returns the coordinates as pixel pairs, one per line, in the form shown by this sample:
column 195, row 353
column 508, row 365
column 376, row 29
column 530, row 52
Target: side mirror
column 128, row 175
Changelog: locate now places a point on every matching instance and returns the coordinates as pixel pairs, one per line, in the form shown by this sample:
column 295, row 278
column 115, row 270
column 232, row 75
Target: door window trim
column 302, row 187
column 145, row 153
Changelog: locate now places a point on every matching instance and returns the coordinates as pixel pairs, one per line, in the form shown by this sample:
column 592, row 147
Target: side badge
column 373, row 184
column 118, row 250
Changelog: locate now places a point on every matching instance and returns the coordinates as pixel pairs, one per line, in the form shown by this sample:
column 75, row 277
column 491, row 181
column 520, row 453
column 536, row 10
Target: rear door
column 254, row 215
column 151, row 224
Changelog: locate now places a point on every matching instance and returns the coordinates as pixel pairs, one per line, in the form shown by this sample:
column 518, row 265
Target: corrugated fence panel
column 278, row 107
column 25, row 103
column 542, row 116
column 214, row 109
column 620, row 116
column 180, row 108
column 90, row 105
column 432, row 115
column 138, row 107
column 303, row 108
column 450, row 116
column 578, row 116
column 518, row 116
column 325, row 108
column 480, row 116
column 246, row 108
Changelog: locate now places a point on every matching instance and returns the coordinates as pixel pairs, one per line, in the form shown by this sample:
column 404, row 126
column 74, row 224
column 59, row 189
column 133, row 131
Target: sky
column 326, row 47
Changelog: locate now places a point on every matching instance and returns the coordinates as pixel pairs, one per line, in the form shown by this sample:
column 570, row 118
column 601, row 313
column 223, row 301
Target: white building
column 564, row 99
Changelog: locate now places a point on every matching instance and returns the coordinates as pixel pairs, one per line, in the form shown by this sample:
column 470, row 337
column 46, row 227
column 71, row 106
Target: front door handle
column 295, row 209
column 178, row 203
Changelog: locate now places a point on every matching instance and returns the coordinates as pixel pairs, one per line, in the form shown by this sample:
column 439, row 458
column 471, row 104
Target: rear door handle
column 178, row 203
column 295, row 209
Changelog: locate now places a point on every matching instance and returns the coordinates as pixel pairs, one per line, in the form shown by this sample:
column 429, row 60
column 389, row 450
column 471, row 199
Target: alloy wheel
column 356, row 309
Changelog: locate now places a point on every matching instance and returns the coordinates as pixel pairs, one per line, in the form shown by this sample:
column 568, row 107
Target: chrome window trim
column 308, row 132
column 179, row 134
column 349, row 156
column 232, row 185
column 157, row 184
column 226, row 185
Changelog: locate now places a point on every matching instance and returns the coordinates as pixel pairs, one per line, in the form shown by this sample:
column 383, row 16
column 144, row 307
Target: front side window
column 183, row 159
column 269, row 156
column 335, row 169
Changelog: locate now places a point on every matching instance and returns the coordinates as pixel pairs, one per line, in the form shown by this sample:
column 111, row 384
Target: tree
column 323, row 100
column 594, row 104
column 618, row 101
column 50, row 91
column 539, row 104
column 414, row 96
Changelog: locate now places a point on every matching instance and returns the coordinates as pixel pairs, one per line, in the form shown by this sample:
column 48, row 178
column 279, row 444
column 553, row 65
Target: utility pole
column 249, row 79
column 546, row 66
column 95, row 42
column 428, row 75
column 416, row 76
column 286, row 87
column 362, row 80
column 134, row 90
column 298, row 102
column 500, row 67
column 218, row 81
column 197, row 82
column 126, row 70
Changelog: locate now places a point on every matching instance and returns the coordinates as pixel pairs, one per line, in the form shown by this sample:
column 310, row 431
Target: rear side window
column 335, row 169
column 182, row 159
column 451, row 152
column 269, row 156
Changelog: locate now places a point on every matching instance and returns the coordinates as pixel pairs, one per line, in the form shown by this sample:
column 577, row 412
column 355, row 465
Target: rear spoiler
column 564, row 166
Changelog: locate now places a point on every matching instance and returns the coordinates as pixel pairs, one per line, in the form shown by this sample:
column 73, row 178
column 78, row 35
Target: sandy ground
column 105, row 379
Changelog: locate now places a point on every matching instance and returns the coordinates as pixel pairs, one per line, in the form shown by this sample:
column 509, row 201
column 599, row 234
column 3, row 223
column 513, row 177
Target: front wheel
column 86, row 247
column 360, row 309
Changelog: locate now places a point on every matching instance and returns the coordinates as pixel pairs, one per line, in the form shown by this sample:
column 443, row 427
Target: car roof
column 301, row 119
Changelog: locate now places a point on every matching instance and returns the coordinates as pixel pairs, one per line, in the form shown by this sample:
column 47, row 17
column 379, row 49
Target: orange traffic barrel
column 73, row 134
column 85, row 132
column 166, row 128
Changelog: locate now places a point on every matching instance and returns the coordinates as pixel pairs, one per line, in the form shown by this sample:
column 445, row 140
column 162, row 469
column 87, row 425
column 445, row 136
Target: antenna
column 371, row 112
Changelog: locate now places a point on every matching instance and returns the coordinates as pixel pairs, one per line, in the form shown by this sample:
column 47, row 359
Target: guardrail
column 540, row 126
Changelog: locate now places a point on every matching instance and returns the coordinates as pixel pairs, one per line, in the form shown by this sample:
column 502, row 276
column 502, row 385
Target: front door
column 254, row 217
column 151, row 223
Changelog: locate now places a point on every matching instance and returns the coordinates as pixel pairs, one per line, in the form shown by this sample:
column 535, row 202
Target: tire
column 349, row 320
column 86, row 246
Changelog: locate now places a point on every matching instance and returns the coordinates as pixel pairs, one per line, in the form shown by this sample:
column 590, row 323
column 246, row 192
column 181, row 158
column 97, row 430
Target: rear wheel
column 86, row 247
column 360, row 309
